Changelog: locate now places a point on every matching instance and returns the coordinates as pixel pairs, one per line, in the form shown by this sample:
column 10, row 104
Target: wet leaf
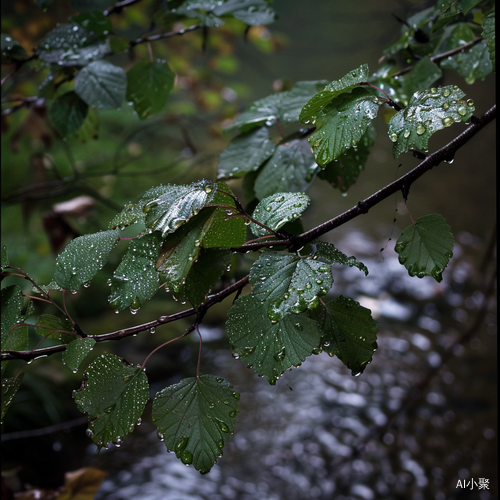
column 284, row 106
column 222, row 229
column 426, row 247
column 245, row 153
column 113, row 396
column 72, row 45
column 348, row 82
column 76, row 351
column 148, row 87
column 177, row 204
column 94, row 21
column 471, row 64
column 10, row 386
column 349, row 332
column 335, row 256
column 427, row 112
column 12, row 49
column 68, row 113
column 136, row 279
column 489, row 35
column 344, row 172
column 195, row 419
column 269, row 347
column 83, row 257
column 423, row 74
column 275, row 211
column 101, row 85
column 291, row 169
column 179, row 252
column 205, row 273
column 55, row 327
column 342, row 124
column 12, row 303
column 288, row 283
column 251, row 12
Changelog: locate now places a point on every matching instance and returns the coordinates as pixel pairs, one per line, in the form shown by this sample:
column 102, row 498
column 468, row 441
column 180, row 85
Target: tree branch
column 403, row 183
column 293, row 243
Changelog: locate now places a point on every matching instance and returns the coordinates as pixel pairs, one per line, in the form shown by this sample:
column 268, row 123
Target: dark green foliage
column 191, row 239
column 113, row 395
column 426, row 247
column 195, row 418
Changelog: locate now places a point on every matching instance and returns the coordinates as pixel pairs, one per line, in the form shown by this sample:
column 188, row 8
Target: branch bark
column 293, row 243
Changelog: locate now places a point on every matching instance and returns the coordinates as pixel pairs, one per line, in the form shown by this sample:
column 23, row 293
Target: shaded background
column 320, row 433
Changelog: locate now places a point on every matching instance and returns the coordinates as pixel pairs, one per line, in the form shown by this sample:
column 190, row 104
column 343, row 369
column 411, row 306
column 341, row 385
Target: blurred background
column 422, row 416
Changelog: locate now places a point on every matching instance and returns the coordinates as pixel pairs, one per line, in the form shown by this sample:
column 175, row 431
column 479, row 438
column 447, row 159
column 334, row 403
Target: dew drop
column 181, row 444
column 448, row 121
column 186, row 457
column 222, row 425
column 393, row 137
column 420, row 129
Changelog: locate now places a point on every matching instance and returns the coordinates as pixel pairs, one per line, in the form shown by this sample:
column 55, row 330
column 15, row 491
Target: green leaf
column 177, row 204
column 95, row 22
column 251, row 12
column 284, row 106
column 55, row 327
column 205, row 273
column 83, row 257
column 427, row 112
column 349, row 332
column 12, row 48
column 101, row 85
column 335, row 256
column 344, row 172
column 71, row 45
column 90, row 126
column 489, row 35
column 347, row 83
column 288, row 283
column 426, row 247
column 136, row 279
column 269, row 347
column 447, row 11
column 195, row 418
column 148, row 87
column 342, row 123
column 68, row 113
column 113, row 395
column 471, row 64
column 10, row 386
column 223, row 230
column 12, row 302
column 469, row 4
column 291, row 169
column 275, row 211
column 245, row 153
column 178, row 253
column 76, row 351
column 423, row 74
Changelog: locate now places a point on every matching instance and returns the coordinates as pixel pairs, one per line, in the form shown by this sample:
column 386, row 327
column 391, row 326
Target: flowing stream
column 321, row 433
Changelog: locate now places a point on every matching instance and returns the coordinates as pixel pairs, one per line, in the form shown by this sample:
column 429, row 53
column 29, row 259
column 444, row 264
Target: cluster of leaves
column 187, row 234
column 80, row 79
